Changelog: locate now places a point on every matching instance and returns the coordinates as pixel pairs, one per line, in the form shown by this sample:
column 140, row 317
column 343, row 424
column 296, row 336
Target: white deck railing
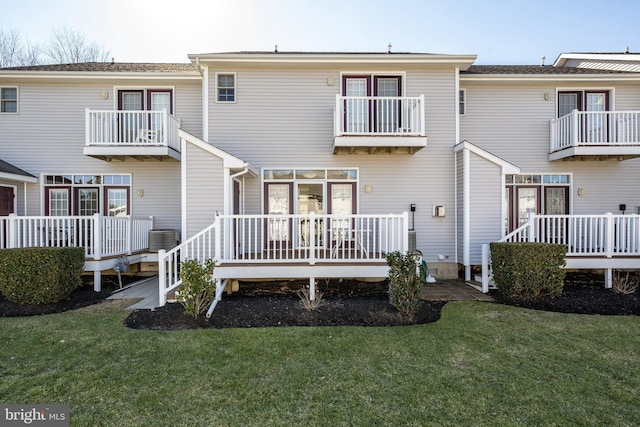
column 132, row 128
column 595, row 128
column 380, row 116
column 606, row 236
column 277, row 239
column 101, row 236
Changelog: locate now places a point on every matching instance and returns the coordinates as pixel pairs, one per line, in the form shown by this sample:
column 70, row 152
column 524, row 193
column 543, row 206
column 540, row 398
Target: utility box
column 438, row 211
column 162, row 239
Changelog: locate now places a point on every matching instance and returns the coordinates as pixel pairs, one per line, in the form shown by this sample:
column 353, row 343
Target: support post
column 608, row 278
column 97, row 237
column 312, row 288
column 97, row 281
column 162, row 277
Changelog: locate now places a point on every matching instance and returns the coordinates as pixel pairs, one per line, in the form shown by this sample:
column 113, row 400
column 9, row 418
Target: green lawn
column 481, row 364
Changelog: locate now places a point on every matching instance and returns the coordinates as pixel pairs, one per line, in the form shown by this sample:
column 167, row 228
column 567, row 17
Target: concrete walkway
column 145, row 290
column 452, row 290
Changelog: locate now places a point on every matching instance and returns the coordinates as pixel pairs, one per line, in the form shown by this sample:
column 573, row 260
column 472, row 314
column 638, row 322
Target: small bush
column 198, row 287
column 404, row 283
column 40, row 275
column 305, row 299
column 524, row 271
column 623, row 284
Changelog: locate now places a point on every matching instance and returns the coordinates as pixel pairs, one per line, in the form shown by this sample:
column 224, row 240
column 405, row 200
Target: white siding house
column 313, row 165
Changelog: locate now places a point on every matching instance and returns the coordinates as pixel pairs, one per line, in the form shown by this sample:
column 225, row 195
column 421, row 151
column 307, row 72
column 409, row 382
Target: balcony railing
column 288, row 239
column 132, row 129
column 600, row 237
column 379, row 116
column 101, row 236
column 595, row 128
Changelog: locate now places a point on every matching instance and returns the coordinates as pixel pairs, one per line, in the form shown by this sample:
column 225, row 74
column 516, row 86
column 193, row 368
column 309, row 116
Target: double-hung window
column 225, row 87
column 8, row 99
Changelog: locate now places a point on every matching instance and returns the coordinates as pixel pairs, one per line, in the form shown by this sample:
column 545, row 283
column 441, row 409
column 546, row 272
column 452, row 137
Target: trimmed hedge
column 524, row 271
column 40, row 275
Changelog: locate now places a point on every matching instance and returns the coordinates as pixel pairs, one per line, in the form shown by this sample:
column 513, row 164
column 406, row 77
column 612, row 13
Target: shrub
column 198, row 287
column 404, row 283
column 623, row 284
column 40, row 275
column 524, row 271
column 305, row 299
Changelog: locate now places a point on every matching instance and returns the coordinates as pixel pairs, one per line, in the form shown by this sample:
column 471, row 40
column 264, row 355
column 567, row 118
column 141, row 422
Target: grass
column 481, row 364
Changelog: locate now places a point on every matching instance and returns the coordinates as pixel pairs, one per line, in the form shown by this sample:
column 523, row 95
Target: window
column 462, row 98
column 8, row 100
column 86, row 195
column 226, row 87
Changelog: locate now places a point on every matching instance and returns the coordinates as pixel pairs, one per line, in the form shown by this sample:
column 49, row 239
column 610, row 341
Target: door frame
column 14, row 194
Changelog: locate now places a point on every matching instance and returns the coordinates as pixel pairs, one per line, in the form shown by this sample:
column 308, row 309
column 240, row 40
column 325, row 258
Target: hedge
column 524, row 271
column 40, row 275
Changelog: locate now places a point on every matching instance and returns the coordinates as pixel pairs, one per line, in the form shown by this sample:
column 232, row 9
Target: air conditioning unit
column 162, row 239
column 412, row 241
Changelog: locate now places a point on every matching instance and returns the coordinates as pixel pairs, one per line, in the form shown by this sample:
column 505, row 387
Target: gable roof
column 14, row 173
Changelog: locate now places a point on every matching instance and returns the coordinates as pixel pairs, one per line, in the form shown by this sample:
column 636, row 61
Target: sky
column 500, row 32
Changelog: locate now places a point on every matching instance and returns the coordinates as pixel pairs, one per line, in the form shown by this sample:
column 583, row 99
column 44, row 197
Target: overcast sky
column 499, row 32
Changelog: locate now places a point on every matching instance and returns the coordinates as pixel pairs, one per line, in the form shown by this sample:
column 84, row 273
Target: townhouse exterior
column 315, row 165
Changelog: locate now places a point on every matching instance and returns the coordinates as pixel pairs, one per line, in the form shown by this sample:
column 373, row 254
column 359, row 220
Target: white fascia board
column 507, row 167
column 17, row 177
column 462, row 61
column 625, row 57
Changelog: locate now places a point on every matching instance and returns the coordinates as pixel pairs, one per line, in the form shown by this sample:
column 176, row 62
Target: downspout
column 228, row 189
column 455, row 164
column 466, row 213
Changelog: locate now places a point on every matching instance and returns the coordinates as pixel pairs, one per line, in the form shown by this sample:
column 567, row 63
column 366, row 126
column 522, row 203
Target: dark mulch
column 80, row 297
column 263, row 304
column 346, row 303
column 583, row 293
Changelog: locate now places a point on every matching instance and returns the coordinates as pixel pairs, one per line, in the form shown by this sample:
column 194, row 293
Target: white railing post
column 129, row 234
column 97, row 236
column 13, row 231
column 553, row 131
column 405, row 232
column 609, row 234
column 162, row 277
column 165, row 128
column 421, row 110
column 337, row 119
column 218, row 238
column 312, row 237
column 531, row 228
column 575, row 127
column 88, row 127
column 485, row 268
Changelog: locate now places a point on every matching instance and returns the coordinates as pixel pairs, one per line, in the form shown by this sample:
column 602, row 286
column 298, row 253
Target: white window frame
column 235, row 87
column 2, row 100
column 462, row 103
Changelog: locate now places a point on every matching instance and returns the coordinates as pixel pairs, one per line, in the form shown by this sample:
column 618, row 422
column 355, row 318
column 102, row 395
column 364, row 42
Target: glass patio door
column 596, row 123
column 310, row 200
column 357, row 106
column 130, row 123
column 159, row 100
column 278, row 202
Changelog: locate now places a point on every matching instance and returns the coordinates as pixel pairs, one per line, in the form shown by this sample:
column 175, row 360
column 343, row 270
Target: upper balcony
column 116, row 135
column 379, row 124
column 595, row 135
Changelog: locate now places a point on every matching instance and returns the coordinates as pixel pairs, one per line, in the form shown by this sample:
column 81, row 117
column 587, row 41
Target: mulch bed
column 346, row 303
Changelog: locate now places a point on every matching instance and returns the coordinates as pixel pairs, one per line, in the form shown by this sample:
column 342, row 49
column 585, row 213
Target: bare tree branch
column 10, row 48
column 67, row 46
